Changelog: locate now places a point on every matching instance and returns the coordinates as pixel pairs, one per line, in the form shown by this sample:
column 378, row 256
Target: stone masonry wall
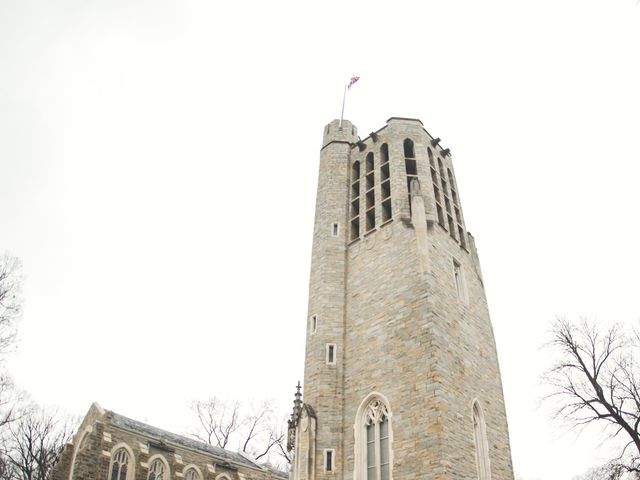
column 323, row 383
column 406, row 335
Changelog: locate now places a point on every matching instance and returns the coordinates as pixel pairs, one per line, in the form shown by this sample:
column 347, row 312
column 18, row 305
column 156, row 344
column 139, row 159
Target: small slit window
column 331, row 354
column 334, row 230
column 329, row 460
column 313, row 323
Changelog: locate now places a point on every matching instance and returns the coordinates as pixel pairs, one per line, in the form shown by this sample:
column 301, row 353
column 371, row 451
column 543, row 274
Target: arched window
column 119, row 465
column 385, row 183
column 373, row 439
column 370, row 195
column 410, row 164
column 436, row 188
column 456, row 208
column 82, row 444
column 158, row 470
column 408, row 148
column 192, row 474
column 481, row 444
column 447, row 202
column 354, row 214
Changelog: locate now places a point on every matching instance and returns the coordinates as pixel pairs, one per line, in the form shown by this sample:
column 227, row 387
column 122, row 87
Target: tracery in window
column 119, row 465
column 377, row 425
column 191, row 474
column 373, row 439
column 157, row 470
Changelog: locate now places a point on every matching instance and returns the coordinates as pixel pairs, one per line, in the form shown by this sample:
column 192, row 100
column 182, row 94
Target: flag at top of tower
column 352, row 81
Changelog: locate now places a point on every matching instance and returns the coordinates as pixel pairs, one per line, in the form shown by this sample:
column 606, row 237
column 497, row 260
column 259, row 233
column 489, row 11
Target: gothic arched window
column 408, row 148
column 370, row 194
column 191, row 474
column 157, row 470
column 119, row 465
column 436, row 188
column 410, row 165
column 481, row 444
column 354, row 214
column 385, row 183
column 373, row 439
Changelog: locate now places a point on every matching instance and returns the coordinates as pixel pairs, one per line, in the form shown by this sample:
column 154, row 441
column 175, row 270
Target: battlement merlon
column 337, row 132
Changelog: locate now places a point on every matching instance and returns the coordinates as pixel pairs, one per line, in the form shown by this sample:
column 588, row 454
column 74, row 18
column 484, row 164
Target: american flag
column 352, row 81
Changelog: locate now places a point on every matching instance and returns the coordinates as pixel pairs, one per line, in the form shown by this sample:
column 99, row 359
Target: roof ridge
column 182, row 440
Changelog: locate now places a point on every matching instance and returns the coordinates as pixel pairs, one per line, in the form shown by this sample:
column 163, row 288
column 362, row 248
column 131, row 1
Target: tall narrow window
column 377, row 442
column 458, row 279
column 313, row 323
column 410, row 164
column 480, row 440
column 436, row 188
column 119, row 465
column 354, row 212
column 370, row 195
column 408, row 148
column 156, row 470
column 447, row 202
column 385, row 183
column 373, row 440
column 456, row 209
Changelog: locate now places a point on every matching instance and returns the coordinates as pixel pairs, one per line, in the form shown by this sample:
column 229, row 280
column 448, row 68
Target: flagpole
column 344, row 96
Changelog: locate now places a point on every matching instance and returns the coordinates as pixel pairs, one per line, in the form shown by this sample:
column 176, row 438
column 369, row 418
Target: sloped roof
column 172, row 438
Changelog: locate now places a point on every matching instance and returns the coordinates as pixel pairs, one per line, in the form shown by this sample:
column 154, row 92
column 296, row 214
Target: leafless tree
column 596, row 381
column 10, row 299
column 255, row 432
column 218, row 420
column 10, row 309
column 34, row 444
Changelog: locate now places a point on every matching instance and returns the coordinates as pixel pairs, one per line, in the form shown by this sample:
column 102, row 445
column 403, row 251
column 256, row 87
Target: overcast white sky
column 158, row 166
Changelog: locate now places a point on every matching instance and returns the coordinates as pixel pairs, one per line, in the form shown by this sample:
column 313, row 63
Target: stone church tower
column 401, row 374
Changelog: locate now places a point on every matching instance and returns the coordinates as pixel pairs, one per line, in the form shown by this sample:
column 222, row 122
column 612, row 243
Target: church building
column 110, row 446
column 401, row 375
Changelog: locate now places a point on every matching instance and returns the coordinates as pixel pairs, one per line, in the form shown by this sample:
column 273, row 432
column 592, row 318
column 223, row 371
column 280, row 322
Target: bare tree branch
column 595, row 381
column 256, row 432
column 34, row 444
